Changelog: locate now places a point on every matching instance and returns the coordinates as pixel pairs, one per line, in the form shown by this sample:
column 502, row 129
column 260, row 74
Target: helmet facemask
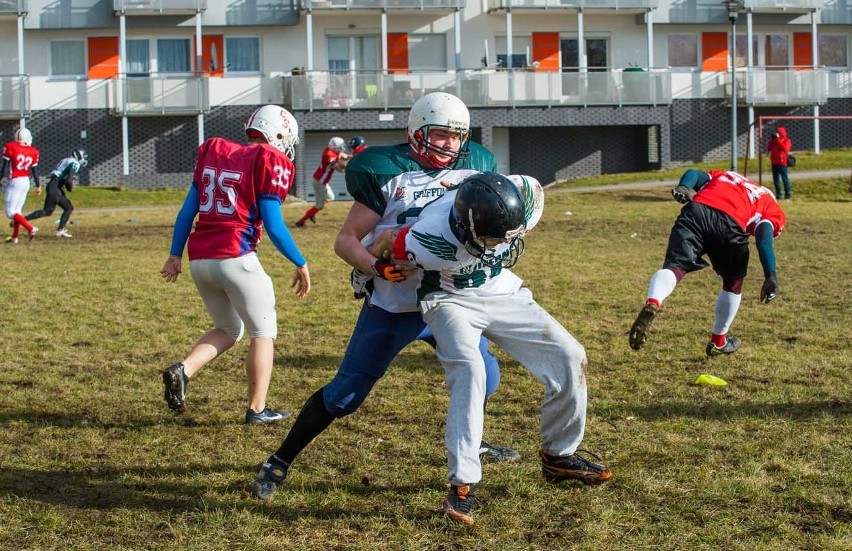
column 478, row 245
column 438, row 112
column 490, row 221
column 429, row 152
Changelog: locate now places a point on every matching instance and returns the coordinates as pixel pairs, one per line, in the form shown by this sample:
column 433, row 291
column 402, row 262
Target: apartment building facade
column 556, row 88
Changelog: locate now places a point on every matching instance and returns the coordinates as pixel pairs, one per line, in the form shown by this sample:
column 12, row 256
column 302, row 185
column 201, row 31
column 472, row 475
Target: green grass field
column 91, row 458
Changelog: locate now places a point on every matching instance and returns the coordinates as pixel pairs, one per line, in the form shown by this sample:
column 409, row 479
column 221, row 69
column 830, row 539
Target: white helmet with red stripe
column 278, row 126
column 24, row 136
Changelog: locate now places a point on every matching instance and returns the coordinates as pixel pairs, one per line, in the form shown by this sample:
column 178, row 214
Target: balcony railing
column 783, row 5
column 478, row 88
column 158, row 7
column 384, row 4
column 13, row 7
column 767, row 86
column 160, row 95
column 494, row 5
column 14, row 96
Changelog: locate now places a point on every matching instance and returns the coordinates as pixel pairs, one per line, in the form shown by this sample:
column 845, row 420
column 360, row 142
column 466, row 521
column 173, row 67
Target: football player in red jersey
column 236, row 191
column 333, row 159
column 356, row 145
column 721, row 210
column 23, row 159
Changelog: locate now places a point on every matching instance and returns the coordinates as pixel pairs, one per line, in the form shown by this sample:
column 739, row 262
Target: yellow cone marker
column 712, row 380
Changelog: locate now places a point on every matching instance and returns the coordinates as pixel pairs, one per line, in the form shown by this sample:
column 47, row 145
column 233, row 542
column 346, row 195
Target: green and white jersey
column 434, row 246
column 387, row 180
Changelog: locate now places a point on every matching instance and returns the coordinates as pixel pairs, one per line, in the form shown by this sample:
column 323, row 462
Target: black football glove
column 769, row 289
column 683, row 194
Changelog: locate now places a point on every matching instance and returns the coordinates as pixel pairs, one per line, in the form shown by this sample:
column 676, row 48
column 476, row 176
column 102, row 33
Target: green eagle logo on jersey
column 437, row 245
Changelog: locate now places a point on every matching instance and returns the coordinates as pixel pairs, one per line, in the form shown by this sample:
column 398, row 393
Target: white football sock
column 727, row 304
column 662, row 284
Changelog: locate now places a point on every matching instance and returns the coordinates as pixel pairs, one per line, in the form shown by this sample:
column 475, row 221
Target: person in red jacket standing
column 779, row 153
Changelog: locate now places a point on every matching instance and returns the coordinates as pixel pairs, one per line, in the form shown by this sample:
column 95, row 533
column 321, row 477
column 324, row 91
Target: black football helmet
column 80, row 156
column 488, row 206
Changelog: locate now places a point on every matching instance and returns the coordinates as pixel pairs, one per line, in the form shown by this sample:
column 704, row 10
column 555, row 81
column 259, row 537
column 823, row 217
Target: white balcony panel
column 47, row 93
column 14, row 96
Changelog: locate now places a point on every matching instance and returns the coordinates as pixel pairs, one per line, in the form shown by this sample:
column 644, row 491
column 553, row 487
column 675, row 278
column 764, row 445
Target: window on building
column 521, row 51
column 242, row 55
column 596, row 54
column 683, row 50
column 742, row 53
column 67, row 58
column 138, row 58
column 427, row 52
column 353, row 53
column 776, row 51
column 173, row 55
column 833, row 51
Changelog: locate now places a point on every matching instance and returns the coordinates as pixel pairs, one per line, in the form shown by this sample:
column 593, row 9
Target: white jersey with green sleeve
column 434, row 244
column 389, row 181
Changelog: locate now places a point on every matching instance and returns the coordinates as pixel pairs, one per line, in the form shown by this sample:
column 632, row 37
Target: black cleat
column 459, row 503
column 556, row 468
column 639, row 331
column 270, row 476
column 732, row 344
column 175, row 381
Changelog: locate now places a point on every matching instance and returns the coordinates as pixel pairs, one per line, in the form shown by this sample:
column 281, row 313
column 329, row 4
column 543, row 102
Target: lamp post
column 734, row 7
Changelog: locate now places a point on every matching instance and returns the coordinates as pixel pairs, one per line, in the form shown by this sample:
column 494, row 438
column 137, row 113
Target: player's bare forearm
column 381, row 247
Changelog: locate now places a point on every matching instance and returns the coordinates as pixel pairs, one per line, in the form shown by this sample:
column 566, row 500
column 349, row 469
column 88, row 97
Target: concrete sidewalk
column 767, row 181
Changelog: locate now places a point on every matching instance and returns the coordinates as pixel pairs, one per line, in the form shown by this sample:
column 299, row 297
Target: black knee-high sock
column 310, row 423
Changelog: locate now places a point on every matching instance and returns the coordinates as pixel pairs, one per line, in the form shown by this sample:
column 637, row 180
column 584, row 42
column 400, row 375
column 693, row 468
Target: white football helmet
column 337, row 144
column 24, row 136
column 278, row 126
column 438, row 110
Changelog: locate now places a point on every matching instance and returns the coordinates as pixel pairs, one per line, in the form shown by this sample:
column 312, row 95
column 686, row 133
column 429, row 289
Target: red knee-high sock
column 20, row 221
column 311, row 211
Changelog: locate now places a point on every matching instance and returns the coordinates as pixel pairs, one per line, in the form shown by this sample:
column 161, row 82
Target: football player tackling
column 389, row 185
column 465, row 242
column 236, row 191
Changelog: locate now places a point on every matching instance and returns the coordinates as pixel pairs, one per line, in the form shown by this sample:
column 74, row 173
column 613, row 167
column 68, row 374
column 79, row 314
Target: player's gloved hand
column 362, row 284
column 389, row 271
column 683, row 194
column 769, row 289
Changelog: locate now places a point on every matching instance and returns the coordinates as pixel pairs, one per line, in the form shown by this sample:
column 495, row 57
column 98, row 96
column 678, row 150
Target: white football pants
column 16, row 195
column 518, row 325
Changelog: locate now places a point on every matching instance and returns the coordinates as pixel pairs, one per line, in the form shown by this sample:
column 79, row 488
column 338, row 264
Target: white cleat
column 63, row 233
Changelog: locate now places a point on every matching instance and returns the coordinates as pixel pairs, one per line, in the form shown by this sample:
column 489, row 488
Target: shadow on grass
column 169, row 489
column 801, row 410
column 71, row 419
column 642, row 198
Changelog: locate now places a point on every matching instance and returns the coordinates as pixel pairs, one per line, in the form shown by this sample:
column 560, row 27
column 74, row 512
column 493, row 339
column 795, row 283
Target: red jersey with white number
column 21, row 158
column 743, row 200
column 325, row 170
column 231, row 179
